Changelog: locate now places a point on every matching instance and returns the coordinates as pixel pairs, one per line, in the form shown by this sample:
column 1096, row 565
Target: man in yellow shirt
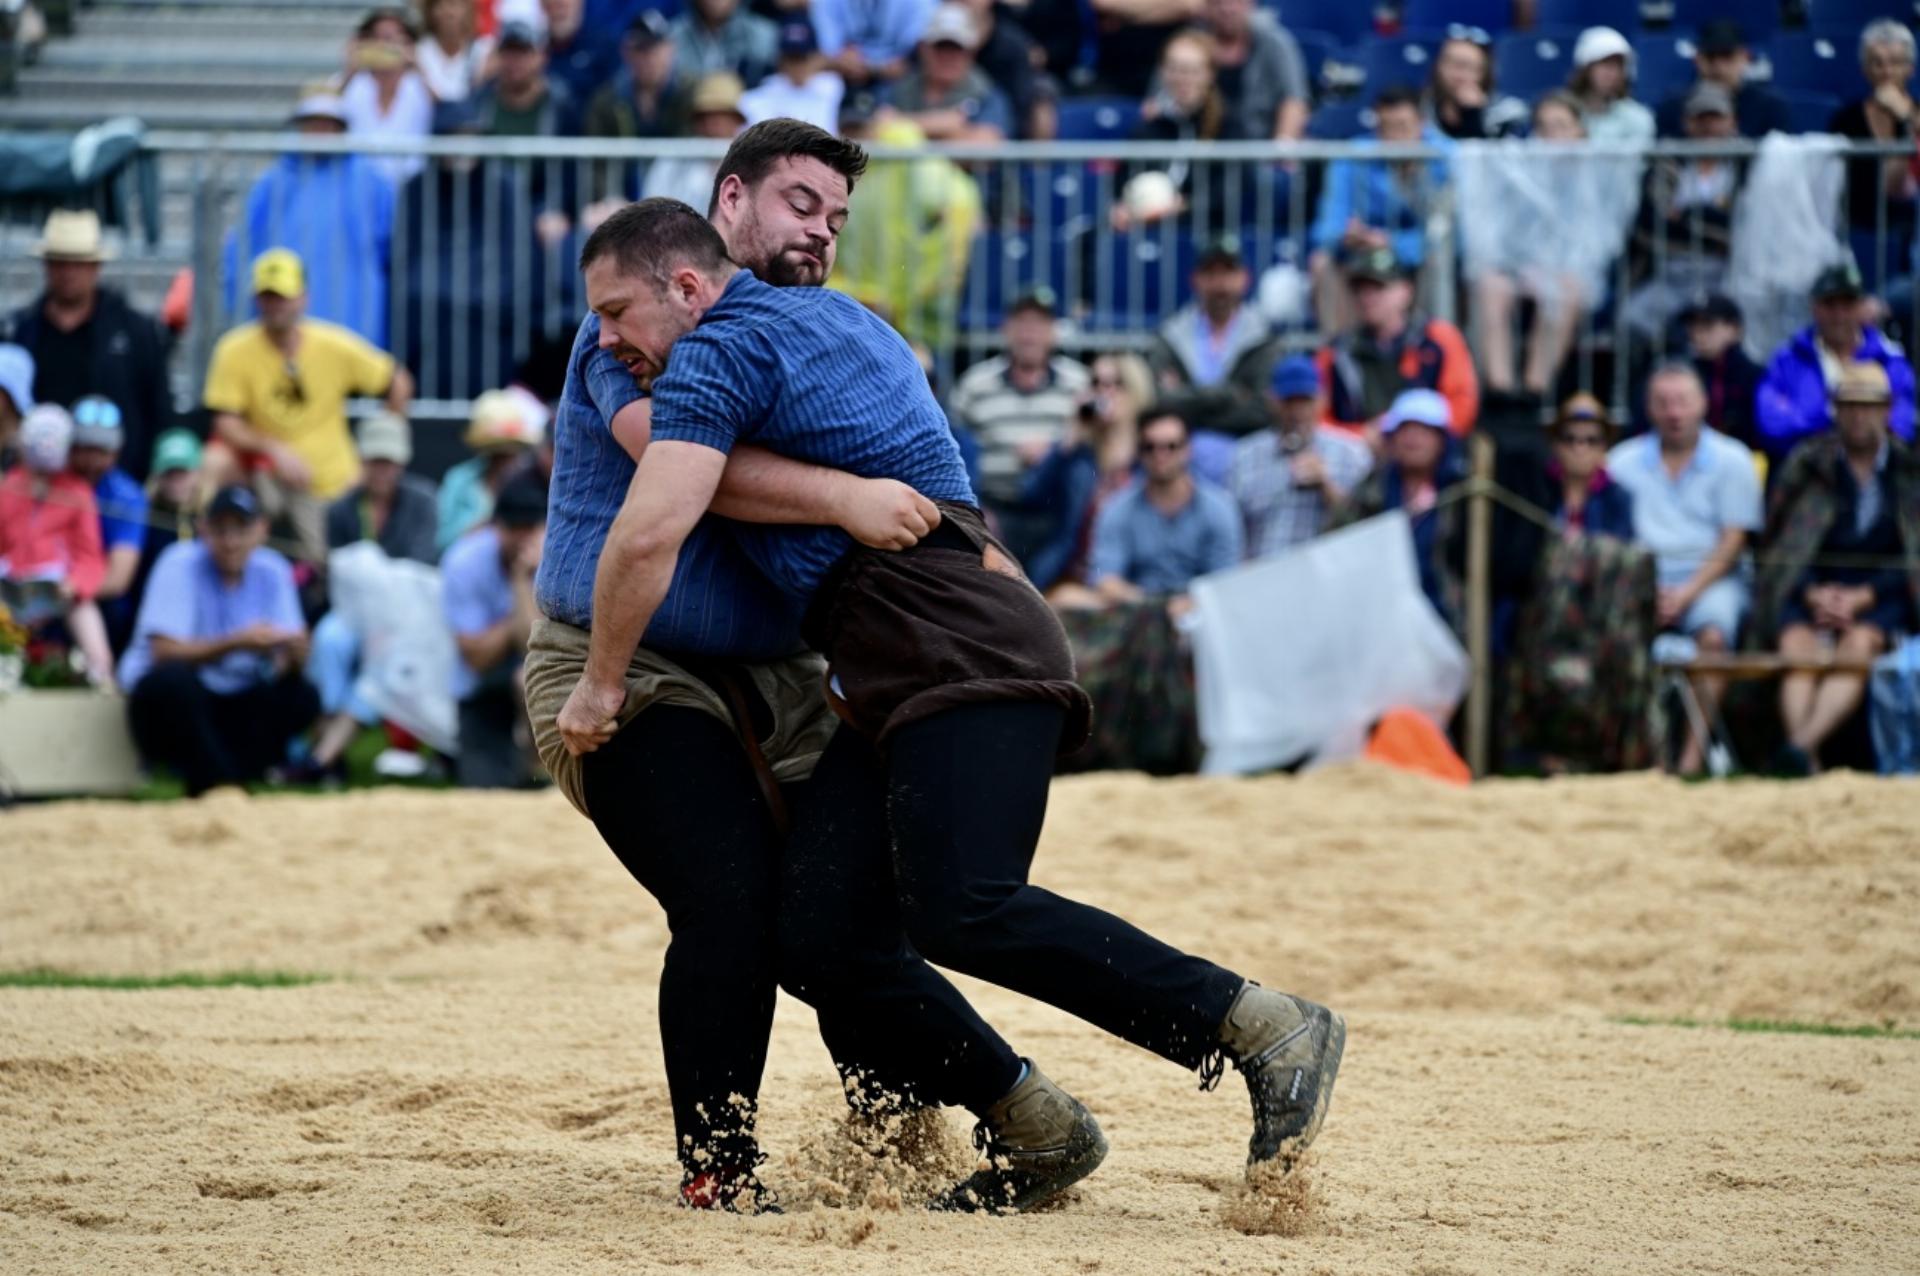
column 278, row 390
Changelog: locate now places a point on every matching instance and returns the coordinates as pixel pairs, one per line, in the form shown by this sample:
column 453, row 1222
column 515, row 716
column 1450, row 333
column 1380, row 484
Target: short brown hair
column 755, row 152
column 653, row 238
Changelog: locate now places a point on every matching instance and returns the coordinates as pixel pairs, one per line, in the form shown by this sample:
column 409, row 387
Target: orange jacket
column 1433, row 356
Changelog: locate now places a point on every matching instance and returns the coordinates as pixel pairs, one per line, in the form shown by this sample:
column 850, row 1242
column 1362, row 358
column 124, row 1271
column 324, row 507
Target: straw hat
column 72, row 234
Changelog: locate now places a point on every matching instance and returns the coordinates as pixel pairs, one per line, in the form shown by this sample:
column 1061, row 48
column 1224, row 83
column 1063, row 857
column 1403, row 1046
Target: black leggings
column 675, row 797
column 966, row 797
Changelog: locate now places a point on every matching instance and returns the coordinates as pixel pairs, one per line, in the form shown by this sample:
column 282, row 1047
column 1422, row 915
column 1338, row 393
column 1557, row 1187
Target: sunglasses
column 295, row 392
column 1107, row 383
column 1151, row 446
column 1471, row 34
column 1583, row 440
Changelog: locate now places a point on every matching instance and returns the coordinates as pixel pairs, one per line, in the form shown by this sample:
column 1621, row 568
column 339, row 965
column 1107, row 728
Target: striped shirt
column 814, row 375
column 719, row 604
column 1002, row 417
column 1279, row 513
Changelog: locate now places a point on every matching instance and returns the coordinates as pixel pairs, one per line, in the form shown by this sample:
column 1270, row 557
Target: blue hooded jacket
column 1792, row 401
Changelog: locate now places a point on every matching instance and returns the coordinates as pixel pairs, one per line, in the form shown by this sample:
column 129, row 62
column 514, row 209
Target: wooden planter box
column 66, row 742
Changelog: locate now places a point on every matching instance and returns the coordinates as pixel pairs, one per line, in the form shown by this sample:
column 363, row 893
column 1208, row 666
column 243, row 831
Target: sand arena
column 479, row 1087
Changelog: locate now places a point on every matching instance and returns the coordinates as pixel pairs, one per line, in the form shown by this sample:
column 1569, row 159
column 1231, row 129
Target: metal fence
column 464, row 266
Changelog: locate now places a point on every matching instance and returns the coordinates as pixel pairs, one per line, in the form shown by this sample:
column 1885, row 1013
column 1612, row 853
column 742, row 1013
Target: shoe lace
column 982, row 1136
column 1213, row 1066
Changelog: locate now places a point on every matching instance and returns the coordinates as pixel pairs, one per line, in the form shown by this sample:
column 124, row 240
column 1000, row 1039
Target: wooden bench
column 1742, row 666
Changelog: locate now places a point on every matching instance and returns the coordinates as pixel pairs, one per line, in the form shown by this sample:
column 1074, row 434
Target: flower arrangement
column 27, row 661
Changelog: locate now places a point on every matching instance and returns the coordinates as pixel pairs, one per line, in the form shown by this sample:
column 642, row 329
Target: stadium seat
column 1146, row 279
column 1347, row 21
column 997, row 272
column 1529, row 63
column 1851, row 15
column 1581, row 14
column 1338, row 121
column 1060, row 198
column 1433, row 17
column 1392, row 60
column 1814, row 63
column 1315, row 48
column 1809, row 112
column 1663, row 67
column 1758, row 20
column 1097, row 119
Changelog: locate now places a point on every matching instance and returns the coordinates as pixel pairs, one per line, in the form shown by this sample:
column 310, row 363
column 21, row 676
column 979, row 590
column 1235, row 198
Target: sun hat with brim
column 16, row 376
column 72, row 234
column 385, row 436
column 720, row 91
column 176, row 450
column 500, row 419
column 1418, row 407
column 1863, row 382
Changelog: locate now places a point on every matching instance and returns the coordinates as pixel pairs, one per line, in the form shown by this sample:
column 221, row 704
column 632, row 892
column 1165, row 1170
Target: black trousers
column 490, row 757
column 675, row 798
column 213, row 739
column 966, row 797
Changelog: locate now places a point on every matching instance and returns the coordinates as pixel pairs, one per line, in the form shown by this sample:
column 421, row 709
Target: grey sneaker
column 1037, row 1142
column 1289, row 1049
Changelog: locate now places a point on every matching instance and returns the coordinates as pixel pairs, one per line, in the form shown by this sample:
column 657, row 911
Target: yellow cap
column 278, row 271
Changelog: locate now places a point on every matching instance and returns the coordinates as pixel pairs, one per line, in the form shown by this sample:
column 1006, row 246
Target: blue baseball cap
column 1418, row 407
column 1296, row 377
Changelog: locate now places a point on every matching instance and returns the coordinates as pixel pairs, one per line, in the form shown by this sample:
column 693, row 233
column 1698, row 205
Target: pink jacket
column 57, row 538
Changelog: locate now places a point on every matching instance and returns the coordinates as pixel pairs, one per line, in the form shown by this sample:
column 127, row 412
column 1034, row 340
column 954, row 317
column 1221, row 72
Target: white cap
column 1597, row 44
column 1418, row 407
column 320, row 106
column 952, row 24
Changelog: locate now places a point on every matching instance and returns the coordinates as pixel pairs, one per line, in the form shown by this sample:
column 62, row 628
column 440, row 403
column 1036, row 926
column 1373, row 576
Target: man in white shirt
column 801, row 87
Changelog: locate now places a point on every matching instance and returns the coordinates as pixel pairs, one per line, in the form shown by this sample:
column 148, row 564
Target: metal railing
column 470, row 268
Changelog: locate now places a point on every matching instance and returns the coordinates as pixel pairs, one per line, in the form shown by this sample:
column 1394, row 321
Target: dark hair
column 653, row 238
column 1157, row 412
column 1396, row 95
column 755, row 152
column 376, row 16
column 522, row 502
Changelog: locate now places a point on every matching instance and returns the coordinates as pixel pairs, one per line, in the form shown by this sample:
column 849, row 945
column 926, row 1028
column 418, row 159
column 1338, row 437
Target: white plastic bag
column 406, row 650
column 1299, row 654
column 1547, row 215
column 1786, row 230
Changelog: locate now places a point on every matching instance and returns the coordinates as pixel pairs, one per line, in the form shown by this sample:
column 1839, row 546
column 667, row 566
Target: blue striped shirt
column 814, row 375
column 719, row 604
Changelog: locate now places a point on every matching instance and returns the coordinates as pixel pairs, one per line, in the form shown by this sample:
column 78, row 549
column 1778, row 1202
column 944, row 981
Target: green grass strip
column 42, row 977
column 1885, row 1032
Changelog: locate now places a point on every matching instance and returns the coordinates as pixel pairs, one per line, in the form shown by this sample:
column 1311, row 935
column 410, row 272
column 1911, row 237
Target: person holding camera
column 1287, row 480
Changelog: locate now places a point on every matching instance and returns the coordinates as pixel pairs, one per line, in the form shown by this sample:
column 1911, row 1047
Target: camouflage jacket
column 1800, row 511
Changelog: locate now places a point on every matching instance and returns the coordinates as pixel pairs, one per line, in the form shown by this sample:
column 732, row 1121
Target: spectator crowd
column 1739, row 504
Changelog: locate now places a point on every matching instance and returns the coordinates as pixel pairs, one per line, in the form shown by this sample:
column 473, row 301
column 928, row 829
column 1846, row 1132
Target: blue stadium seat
column 1529, row 63
column 1345, row 20
column 1146, row 283
column 1622, row 15
column 1338, row 121
column 1097, row 119
column 1758, row 19
column 1391, row 60
column 1315, row 48
column 1809, row 112
column 1851, row 15
column 1815, row 63
column 1060, row 198
column 997, row 272
column 1433, row 17
column 1663, row 67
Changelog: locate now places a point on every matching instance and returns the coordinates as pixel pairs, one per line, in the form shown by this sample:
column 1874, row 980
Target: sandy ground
column 482, row 1091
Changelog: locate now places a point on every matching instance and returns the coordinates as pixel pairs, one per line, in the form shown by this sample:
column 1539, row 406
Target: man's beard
column 784, row 271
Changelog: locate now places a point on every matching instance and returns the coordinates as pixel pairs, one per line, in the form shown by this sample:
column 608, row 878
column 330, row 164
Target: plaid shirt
column 1278, row 513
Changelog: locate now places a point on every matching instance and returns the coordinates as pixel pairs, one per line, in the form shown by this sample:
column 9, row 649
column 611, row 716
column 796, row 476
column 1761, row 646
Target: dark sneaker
column 1036, row 1143
column 735, row 1191
column 1288, row 1048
